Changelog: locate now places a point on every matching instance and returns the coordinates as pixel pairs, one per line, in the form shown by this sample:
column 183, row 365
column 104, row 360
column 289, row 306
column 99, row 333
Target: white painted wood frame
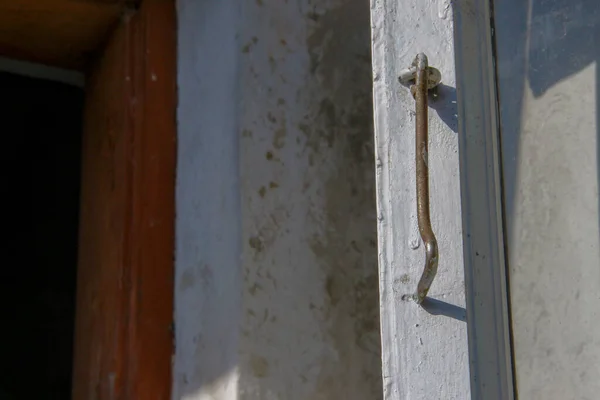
column 481, row 190
column 426, row 354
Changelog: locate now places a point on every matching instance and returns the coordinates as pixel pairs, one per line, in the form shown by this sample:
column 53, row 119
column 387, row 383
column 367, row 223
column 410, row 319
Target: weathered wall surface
column 277, row 285
column 548, row 79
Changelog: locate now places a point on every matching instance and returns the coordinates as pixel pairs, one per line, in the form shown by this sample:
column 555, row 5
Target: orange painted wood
column 64, row 33
column 124, row 316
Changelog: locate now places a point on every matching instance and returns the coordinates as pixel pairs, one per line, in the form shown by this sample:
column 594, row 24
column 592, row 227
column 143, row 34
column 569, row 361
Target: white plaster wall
column 276, row 261
column 425, row 351
column 208, row 232
column 549, row 103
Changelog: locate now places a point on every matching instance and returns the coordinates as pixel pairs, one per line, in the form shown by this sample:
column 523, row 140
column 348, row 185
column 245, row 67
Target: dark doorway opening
column 41, row 161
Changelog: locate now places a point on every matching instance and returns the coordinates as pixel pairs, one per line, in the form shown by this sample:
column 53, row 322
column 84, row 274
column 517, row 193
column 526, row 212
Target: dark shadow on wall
column 438, row 307
column 540, row 43
column 443, row 101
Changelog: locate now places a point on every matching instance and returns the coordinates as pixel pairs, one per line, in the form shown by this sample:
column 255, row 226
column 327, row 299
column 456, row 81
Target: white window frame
column 416, row 363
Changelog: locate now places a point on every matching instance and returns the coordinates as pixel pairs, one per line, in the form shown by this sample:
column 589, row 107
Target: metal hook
column 425, row 78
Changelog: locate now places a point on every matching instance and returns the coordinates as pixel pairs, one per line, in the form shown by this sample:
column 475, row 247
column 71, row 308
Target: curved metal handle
column 426, row 78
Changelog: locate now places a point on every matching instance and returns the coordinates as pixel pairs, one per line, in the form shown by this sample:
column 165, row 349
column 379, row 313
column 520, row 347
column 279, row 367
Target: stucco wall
column 548, row 79
column 276, row 260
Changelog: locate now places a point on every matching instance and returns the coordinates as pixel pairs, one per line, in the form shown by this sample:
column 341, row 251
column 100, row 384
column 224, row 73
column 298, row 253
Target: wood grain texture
column 63, row 33
column 125, row 285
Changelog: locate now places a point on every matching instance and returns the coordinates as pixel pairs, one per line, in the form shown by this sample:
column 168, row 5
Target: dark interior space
column 41, row 131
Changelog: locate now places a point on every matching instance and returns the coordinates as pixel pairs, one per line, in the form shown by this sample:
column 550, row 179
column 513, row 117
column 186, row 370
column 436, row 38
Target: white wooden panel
column 424, row 348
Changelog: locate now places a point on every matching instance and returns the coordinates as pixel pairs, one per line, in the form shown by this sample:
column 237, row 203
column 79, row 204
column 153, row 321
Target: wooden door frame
column 124, row 338
column 124, row 328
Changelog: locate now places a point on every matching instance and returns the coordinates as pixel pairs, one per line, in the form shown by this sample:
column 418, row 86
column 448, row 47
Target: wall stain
column 268, row 230
column 187, row 280
column 333, row 292
column 272, row 63
column 256, row 243
column 254, row 288
column 279, row 135
column 332, row 145
column 259, row 366
column 341, row 129
column 248, row 46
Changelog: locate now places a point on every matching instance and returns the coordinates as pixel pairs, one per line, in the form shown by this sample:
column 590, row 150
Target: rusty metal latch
column 425, row 78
